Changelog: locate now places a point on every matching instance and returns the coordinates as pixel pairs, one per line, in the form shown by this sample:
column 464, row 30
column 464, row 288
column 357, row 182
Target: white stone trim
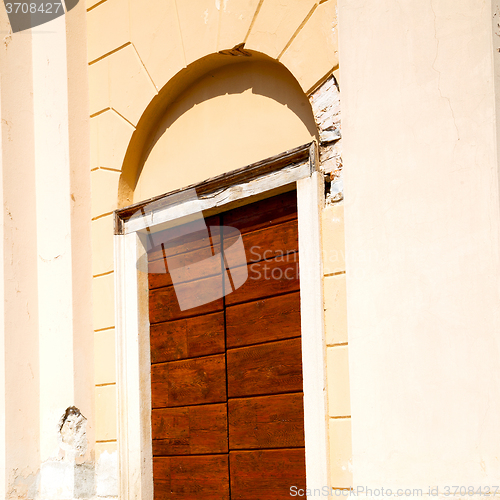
column 310, row 198
column 135, row 452
column 132, row 334
column 212, row 201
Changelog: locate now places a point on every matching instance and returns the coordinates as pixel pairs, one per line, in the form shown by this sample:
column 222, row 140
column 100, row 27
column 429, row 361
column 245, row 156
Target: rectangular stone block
column 314, row 51
column 107, row 28
column 340, row 453
column 339, row 402
column 104, row 191
column 105, row 413
column 131, row 88
column 235, row 21
column 335, row 309
column 104, row 358
column 333, row 238
column 102, row 245
column 199, row 27
column 103, row 301
column 276, row 24
column 99, row 86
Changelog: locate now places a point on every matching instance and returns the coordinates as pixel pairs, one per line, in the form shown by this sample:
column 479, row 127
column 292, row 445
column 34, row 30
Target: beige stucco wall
column 19, row 390
column 422, row 254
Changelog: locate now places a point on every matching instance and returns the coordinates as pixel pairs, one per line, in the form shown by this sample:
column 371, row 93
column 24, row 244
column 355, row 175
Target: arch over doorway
column 218, row 115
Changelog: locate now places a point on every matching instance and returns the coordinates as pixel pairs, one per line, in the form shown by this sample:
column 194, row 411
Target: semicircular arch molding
column 219, row 114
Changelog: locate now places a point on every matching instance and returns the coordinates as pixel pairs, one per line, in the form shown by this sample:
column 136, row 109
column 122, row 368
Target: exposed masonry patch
column 72, row 433
column 325, row 102
column 62, row 478
column 66, row 477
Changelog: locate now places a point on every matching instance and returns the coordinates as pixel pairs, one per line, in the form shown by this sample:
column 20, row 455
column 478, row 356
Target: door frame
column 294, row 169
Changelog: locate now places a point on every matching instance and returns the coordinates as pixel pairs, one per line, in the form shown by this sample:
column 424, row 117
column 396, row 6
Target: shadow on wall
column 266, row 79
column 229, row 117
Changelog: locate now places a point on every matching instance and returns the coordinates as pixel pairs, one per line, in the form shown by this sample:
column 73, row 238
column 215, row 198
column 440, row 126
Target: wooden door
column 227, row 401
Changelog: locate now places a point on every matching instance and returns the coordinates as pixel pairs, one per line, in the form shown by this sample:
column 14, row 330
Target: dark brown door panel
column 189, row 382
column 265, row 369
column 187, row 338
column 189, row 478
column 263, row 320
column 267, row 278
column 191, row 430
column 266, row 422
column 266, row 474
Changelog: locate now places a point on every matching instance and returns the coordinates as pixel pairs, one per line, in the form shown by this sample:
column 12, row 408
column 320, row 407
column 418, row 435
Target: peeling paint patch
column 73, row 433
column 325, row 102
column 64, row 478
column 218, row 5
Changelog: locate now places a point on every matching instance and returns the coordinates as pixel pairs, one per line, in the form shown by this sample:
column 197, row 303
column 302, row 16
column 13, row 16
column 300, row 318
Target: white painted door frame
column 296, row 168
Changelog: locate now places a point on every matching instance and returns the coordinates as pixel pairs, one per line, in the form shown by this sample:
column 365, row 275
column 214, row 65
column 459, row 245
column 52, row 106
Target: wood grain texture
column 265, row 369
column 266, row 474
column 189, row 382
column 188, row 478
column 264, row 364
column 295, row 158
column 172, row 241
column 267, row 278
column 263, row 214
column 163, row 304
column 267, row 243
column 266, row 422
column 192, row 430
column 187, row 338
column 263, row 320
column 159, row 274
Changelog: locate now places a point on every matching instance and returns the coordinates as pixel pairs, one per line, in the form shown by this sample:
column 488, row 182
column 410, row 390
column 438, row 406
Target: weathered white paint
column 310, row 200
column 207, row 202
column 325, row 102
column 132, row 320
